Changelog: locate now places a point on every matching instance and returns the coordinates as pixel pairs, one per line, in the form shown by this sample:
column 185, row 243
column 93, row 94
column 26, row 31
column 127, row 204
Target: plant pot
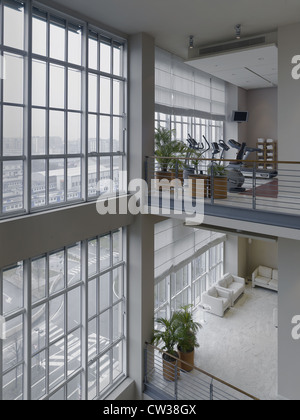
column 187, row 357
column 179, row 175
column 202, row 190
column 220, row 188
column 169, row 368
column 160, row 176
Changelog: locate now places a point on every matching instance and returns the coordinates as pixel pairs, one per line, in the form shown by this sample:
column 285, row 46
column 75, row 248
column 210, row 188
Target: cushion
column 265, row 272
column 262, row 280
column 275, row 275
column 274, row 284
column 213, row 292
column 228, row 278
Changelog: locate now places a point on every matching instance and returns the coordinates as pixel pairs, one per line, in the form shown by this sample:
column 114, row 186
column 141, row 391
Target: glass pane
column 57, row 86
column 13, row 285
column 56, row 364
column 92, row 384
column 74, row 264
column 74, row 133
column 93, row 267
column 38, row 183
column 38, row 83
column 13, row 82
column 56, row 272
column 117, row 61
column 74, row 90
column 14, row 25
column 105, row 252
column 74, row 179
column 38, row 127
column 117, row 97
column 56, row 132
column 13, row 385
column 38, row 334
column 74, row 351
column 93, row 54
column 57, row 318
column 39, row 36
column 92, row 137
column 104, row 292
column 104, row 145
column 57, row 194
column 117, row 360
column 104, row 373
column 118, row 284
column 59, row 395
column 57, row 40
column 92, row 339
column 38, row 279
column 104, row 336
column 105, row 57
column 105, row 95
column 93, row 93
column 74, row 48
column 105, row 185
column 118, row 180
column 92, row 177
column 74, row 389
column 117, row 134
column 74, row 308
column 38, row 376
column 13, row 349
column 13, row 185
column 12, row 131
column 117, row 246
column 92, row 298
column 117, row 321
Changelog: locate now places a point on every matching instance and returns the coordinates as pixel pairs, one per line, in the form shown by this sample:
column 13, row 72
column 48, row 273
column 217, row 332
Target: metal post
column 211, row 391
column 212, row 184
column 254, row 187
column 176, row 381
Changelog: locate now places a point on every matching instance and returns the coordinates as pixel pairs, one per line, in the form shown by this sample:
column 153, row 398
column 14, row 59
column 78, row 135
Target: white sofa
column 234, row 285
column 217, row 299
column 265, row 277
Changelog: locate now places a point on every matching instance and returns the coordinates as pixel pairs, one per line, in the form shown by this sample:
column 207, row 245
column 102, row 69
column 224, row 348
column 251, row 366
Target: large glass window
column 62, row 113
column 45, row 300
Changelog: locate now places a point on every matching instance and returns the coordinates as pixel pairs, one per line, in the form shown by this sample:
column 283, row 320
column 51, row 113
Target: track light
column 238, row 31
column 191, row 43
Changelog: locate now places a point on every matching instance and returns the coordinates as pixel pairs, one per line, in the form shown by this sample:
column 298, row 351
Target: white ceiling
column 250, row 69
column 171, row 22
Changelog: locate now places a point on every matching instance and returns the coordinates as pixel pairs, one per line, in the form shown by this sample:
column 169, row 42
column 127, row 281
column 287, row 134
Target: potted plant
column 165, row 149
column 167, row 336
column 194, row 190
column 220, row 180
column 186, row 332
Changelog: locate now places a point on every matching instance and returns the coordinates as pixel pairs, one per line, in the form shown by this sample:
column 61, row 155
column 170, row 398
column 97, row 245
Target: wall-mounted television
column 240, row 116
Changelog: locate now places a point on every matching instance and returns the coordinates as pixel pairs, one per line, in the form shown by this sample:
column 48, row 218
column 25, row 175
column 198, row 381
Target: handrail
column 205, row 373
column 280, row 162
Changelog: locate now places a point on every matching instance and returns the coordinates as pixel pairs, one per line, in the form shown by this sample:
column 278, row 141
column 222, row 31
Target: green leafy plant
column 186, row 329
column 219, row 171
column 167, row 335
column 166, row 147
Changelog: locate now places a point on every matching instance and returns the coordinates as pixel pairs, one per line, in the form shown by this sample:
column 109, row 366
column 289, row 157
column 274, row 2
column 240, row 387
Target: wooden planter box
column 220, row 188
column 203, row 190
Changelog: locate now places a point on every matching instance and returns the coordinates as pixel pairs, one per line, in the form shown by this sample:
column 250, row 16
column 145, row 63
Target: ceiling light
column 191, row 43
column 238, row 31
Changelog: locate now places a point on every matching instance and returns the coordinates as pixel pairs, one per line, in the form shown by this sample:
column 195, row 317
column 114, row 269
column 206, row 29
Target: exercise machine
column 194, row 146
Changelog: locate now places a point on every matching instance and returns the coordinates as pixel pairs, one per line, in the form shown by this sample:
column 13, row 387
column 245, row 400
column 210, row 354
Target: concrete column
column 288, row 307
column 141, row 232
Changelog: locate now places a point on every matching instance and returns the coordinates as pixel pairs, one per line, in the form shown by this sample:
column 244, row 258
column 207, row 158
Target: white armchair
column 234, row 285
column 217, row 299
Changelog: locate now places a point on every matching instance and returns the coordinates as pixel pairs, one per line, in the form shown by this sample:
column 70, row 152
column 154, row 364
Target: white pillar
column 141, row 232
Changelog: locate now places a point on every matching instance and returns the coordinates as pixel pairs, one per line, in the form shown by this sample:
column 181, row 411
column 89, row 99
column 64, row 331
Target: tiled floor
column 241, row 348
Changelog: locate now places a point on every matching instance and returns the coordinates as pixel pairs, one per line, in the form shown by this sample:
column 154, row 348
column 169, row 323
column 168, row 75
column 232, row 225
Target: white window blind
column 183, row 90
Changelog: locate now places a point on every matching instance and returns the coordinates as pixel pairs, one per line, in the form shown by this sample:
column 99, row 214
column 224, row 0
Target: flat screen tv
column 240, row 116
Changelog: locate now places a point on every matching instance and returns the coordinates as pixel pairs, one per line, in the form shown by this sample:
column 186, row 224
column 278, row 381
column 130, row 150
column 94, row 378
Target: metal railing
column 252, row 188
column 167, row 381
